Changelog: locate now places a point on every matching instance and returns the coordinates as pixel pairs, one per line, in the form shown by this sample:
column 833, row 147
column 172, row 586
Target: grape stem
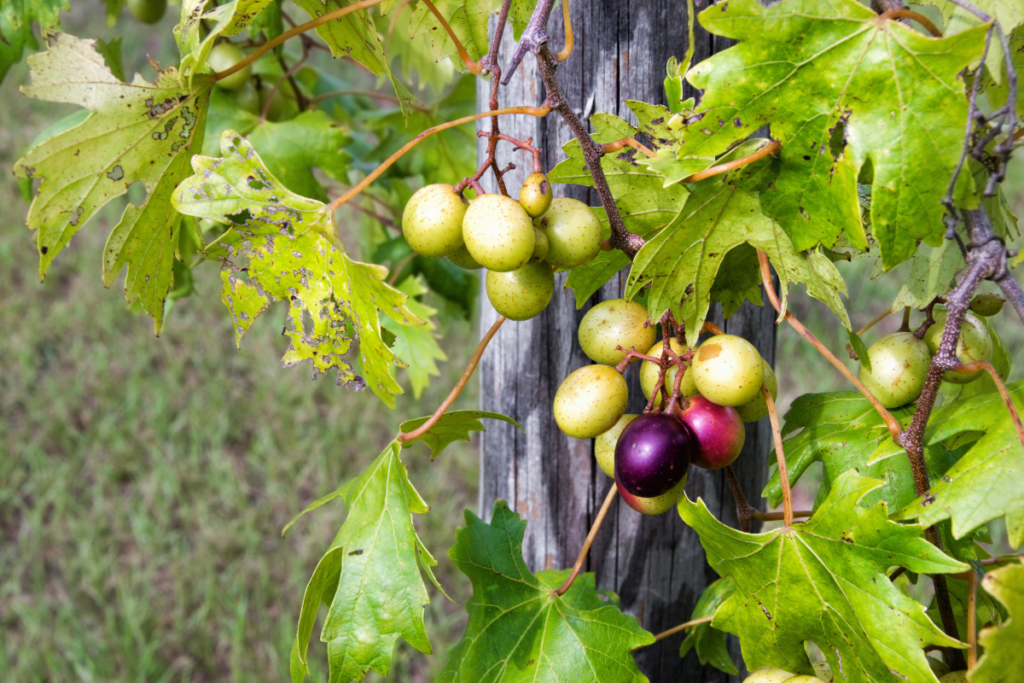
column 609, row 147
column 895, row 428
column 682, row 627
column 472, row 66
column 968, row 368
column 874, row 321
column 972, row 620
column 566, row 50
column 745, row 512
column 585, row 550
column 460, row 385
column 780, row 457
column 770, row 148
column 910, row 14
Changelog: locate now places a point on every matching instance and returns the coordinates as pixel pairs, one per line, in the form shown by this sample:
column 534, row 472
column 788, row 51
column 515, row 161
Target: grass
column 144, row 481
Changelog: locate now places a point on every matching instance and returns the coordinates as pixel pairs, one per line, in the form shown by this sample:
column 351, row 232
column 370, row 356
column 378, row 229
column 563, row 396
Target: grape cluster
column 899, row 361
column 649, row 455
column 520, row 243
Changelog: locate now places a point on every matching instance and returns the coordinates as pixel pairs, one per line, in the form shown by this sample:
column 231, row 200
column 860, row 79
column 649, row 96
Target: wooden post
column 655, row 564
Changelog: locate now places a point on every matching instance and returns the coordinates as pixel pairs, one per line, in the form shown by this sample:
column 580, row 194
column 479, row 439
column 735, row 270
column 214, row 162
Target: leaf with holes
column 825, row 581
column 519, row 629
column 801, row 66
column 138, row 132
column 288, row 252
column 1002, row 661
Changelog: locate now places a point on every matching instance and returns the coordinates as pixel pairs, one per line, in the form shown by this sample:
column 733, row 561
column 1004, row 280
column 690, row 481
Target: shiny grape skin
column 653, row 454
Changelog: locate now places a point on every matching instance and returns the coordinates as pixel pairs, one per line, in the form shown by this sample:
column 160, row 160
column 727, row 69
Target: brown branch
column 578, row 567
column 770, row 148
column 466, row 374
column 891, row 422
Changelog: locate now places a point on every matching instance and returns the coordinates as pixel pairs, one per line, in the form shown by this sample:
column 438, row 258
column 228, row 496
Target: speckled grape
column 899, row 367
column 954, row 677
column 463, row 259
column 756, row 408
column 768, row 674
column 540, row 246
column 590, row 401
column 649, row 372
column 617, row 322
column 222, row 57
column 975, row 343
column 987, row 304
column 498, row 232
column 604, row 444
column 727, row 370
column 535, row 194
column 522, row 293
column 432, row 220
column 574, row 233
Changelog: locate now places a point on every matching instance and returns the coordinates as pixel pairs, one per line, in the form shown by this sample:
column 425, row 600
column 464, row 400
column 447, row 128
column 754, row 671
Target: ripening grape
column 604, row 444
column 432, row 220
column 574, row 233
column 222, row 57
column 717, row 430
column 522, row 293
column 535, row 194
column 756, row 408
column 652, row 454
column 147, row 11
column 975, row 343
column 656, row 505
column 727, row 370
column 987, row 304
column 463, row 259
column 540, row 246
column 613, row 323
column 498, row 232
column 899, row 367
column 649, row 372
column 768, row 674
column 590, row 401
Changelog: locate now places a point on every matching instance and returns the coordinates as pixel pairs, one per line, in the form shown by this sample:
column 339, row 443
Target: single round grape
column 768, row 674
column 540, row 246
column 573, row 230
column 975, row 343
column 727, row 370
column 222, row 57
column 717, row 430
column 756, row 408
column 147, row 11
column 987, row 304
column 463, row 259
column 432, row 220
column 285, row 103
column 652, row 454
column 649, row 372
column 954, row 677
column 939, row 667
column 498, row 232
column 535, row 194
column 590, row 401
column 656, row 505
column 823, row 671
column 617, row 322
column 899, row 367
column 522, row 293
column 604, row 444
column 248, row 98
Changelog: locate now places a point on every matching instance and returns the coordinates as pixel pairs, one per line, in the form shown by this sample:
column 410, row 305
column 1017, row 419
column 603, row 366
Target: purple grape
column 652, row 454
column 718, row 432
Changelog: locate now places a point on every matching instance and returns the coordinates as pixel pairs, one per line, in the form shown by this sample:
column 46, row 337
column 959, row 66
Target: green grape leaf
column 520, row 629
column 610, row 128
column 843, row 431
column 622, row 170
column 709, row 642
column 289, row 252
column 138, row 132
column 1001, row 361
column 985, row 483
column 1009, row 14
column 410, row 55
column 825, row 581
column 738, row 280
column 799, row 67
column 994, row 82
column 244, row 13
column 325, row 577
column 468, row 19
column 684, row 258
column 16, row 19
column 932, row 274
column 985, row 608
column 1002, row 661
column 292, row 148
column 859, row 348
column 417, row 346
column 198, row 30
column 454, row 425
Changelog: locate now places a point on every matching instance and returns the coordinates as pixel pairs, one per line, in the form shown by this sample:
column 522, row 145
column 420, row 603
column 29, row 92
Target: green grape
column 147, row 11
column 727, row 370
column 604, row 445
column 899, row 367
column 649, row 372
column 535, row 194
column 540, row 246
column 804, row 678
column 522, row 293
column 987, row 304
column 654, row 505
column 574, row 233
column 756, row 408
column 498, row 232
column 954, row 677
column 677, row 122
column 590, row 401
column 222, row 57
column 432, row 220
column 463, row 259
column 284, row 105
column 768, row 674
column 248, row 98
column 975, row 343
column 617, row 322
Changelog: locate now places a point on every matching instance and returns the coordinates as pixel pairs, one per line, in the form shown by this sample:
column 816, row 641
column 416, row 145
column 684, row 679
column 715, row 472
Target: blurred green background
column 144, row 481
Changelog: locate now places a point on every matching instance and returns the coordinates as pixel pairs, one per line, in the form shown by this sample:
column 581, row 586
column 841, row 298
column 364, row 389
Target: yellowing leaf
column 137, row 132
